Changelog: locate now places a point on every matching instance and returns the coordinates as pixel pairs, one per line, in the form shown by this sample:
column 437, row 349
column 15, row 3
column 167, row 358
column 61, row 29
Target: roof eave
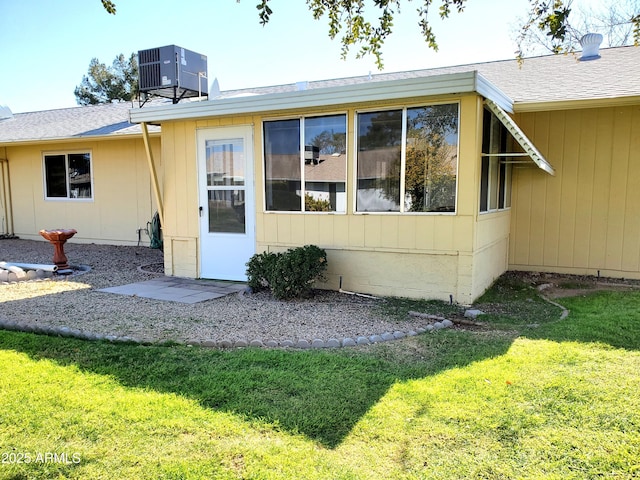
column 447, row 84
column 547, row 106
column 488, row 90
column 92, row 138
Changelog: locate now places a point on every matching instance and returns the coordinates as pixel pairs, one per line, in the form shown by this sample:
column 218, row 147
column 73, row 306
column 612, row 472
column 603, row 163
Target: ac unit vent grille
column 149, row 76
column 149, row 56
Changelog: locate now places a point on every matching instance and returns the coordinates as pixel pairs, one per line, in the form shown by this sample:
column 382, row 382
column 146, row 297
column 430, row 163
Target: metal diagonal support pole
column 5, row 188
column 515, row 131
column 152, row 172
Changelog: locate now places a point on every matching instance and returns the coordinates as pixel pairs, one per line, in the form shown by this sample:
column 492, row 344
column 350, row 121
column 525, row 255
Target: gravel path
column 74, row 302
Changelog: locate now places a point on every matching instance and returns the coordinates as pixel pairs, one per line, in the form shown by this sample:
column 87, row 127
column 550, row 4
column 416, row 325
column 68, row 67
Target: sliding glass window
column 496, row 167
column 407, row 160
column 305, row 158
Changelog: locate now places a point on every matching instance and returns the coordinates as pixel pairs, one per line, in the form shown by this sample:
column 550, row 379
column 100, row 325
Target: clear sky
column 47, row 45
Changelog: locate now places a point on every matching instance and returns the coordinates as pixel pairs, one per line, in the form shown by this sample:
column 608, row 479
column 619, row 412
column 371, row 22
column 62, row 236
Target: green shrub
column 260, row 269
column 290, row 274
column 316, row 205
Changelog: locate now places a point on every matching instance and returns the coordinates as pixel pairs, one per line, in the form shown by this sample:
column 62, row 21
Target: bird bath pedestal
column 58, row 239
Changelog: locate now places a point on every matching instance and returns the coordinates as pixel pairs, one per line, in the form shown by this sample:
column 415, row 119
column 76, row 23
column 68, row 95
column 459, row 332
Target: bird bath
column 58, row 238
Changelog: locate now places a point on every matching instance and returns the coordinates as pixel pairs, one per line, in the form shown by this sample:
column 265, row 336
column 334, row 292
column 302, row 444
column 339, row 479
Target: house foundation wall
column 491, row 255
column 438, row 276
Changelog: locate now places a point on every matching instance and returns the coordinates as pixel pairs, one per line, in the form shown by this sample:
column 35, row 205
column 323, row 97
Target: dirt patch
column 556, row 285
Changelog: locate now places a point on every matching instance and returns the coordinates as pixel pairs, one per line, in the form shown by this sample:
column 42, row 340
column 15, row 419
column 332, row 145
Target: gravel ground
column 75, row 302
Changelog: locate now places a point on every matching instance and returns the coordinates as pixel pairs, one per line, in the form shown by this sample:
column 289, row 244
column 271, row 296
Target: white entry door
column 227, row 210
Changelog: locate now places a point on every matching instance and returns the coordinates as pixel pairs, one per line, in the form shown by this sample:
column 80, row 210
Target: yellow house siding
column 601, row 188
column 554, row 194
column 487, row 233
column 492, row 226
column 488, row 264
column 181, row 179
column 180, row 187
column 391, row 254
column 470, row 138
column 570, row 170
column 180, row 239
column 583, row 143
column 631, row 233
column 122, row 201
column 414, row 255
column 181, row 256
column 490, row 259
column 585, row 219
column 618, row 196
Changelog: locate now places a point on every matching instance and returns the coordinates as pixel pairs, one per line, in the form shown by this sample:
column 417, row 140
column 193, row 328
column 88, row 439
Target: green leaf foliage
column 369, row 24
column 103, row 84
column 109, row 6
column 260, row 270
column 316, row 205
column 288, row 275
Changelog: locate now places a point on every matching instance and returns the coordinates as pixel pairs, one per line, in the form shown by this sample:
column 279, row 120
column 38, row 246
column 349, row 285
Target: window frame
column 66, row 154
column 403, row 150
column 301, row 123
column 501, row 189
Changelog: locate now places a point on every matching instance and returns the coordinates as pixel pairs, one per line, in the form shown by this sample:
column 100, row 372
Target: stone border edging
column 30, row 275
column 300, row 344
column 541, row 289
column 141, row 269
column 565, row 312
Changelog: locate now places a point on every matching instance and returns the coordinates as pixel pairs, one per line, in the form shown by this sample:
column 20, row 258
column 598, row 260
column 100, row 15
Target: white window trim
column 403, row 150
column 502, row 159
column 66, row 153
column 301, row 118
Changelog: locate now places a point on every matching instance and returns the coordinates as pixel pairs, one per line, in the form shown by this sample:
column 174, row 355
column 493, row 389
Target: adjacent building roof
column 544, row 79
column 102, row 121
column 538, row 83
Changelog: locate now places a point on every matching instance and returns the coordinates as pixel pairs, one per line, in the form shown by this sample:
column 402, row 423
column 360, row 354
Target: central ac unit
column 172, row 72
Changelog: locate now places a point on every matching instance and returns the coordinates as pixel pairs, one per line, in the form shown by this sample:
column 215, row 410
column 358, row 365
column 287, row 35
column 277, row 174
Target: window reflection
column 226, row 211
column 431, row 159
column 282, row 165
column 68, row 175
column 379, row 161
column 306, row 158
column 225, row 162
column 428, row 163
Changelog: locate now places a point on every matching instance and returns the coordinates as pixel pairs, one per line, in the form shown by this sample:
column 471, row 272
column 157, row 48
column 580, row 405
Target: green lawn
column 559, row 400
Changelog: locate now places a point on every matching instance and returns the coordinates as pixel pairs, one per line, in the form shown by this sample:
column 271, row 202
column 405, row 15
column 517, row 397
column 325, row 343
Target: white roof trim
column 520, row 137
column 447, row 84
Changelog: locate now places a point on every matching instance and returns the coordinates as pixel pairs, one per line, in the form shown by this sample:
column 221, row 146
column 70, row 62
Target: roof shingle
column 551, row 78
column 77, row 122
column 538, row 79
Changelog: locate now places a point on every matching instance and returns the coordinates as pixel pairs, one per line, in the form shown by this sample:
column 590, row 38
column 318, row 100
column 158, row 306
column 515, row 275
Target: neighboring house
column 431, row 183
column 84, row 168
column 325, row 180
